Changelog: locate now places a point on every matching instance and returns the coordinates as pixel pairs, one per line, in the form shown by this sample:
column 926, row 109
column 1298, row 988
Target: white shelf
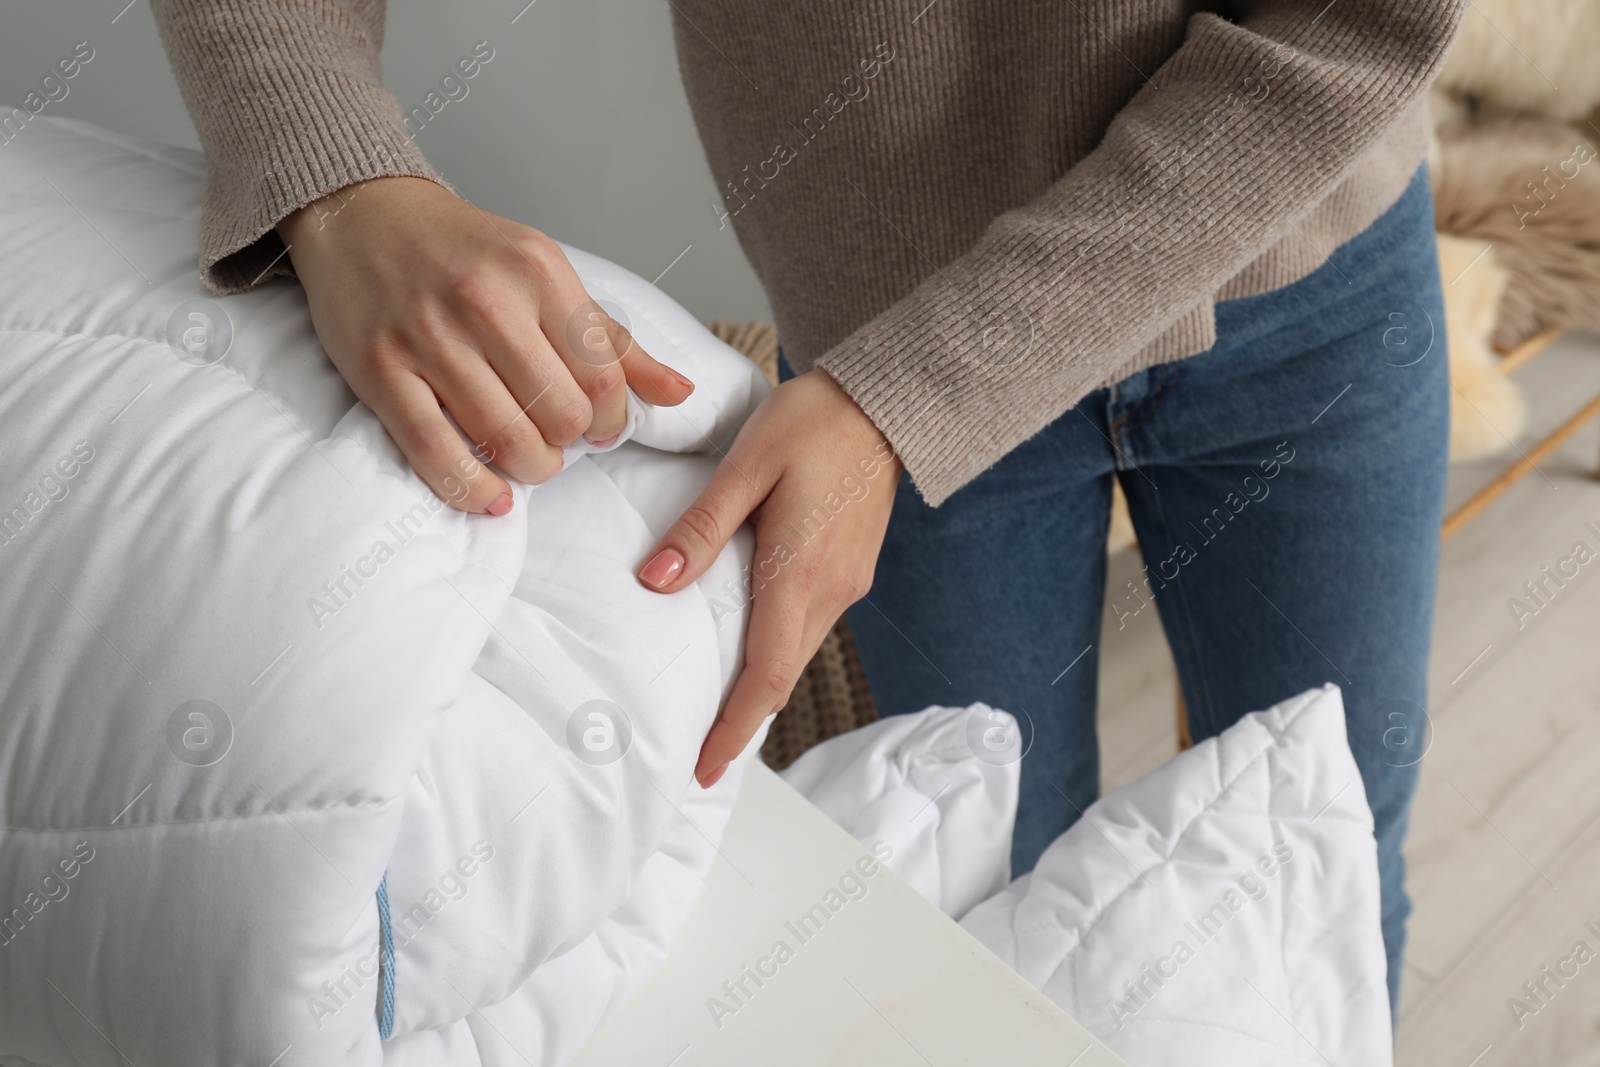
column 887, row 981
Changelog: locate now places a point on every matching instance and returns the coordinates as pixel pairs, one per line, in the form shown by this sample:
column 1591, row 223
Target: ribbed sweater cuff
column 1125, row 251
column 343, row 132
column 941, row 408
column 289, row 102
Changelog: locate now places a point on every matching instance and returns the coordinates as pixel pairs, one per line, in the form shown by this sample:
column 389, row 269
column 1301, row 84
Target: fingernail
column 500, row 505
column 714, row 777
column 605, row 442
column 686, row 383
column 662, row 568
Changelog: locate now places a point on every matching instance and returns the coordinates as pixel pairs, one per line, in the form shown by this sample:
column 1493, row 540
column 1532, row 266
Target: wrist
column 862, row 427
column 317, row 223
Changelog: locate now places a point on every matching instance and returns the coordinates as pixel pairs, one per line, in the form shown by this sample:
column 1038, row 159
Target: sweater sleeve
column 289, row 104
column 1245, row 127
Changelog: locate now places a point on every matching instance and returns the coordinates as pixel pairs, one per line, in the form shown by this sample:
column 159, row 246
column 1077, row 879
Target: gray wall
column 578, row 125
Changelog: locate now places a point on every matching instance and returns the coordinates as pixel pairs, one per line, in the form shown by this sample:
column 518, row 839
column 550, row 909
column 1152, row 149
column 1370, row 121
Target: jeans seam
column 1146, row 409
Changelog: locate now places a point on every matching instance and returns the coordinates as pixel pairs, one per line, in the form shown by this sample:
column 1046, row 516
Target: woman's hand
column 428, row 304
column 817, row 479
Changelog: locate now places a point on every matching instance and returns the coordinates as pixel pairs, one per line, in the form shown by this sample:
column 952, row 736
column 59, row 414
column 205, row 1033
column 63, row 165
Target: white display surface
column 887, row 980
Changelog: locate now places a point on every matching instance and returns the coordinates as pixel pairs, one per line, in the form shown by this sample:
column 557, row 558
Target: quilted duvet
column 293, row 754
column 299, row 765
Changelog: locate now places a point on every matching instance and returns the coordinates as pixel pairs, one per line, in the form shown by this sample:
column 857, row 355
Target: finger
column 695, row 540
column 578, row 330
column 653, row 381
column 482, row 405
column 715, row 752
column 583, row 341
column 595, row 347
column 771, row 666
column 409, row 410
column 602, row 353
column 729, row 735
column 507, row 323
column 543, row 387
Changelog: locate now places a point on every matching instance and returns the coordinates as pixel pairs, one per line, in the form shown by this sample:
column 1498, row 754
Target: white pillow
column 1220, row 910
column 909, row 788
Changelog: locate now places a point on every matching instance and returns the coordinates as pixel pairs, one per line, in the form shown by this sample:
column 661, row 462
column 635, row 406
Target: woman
column 1016, row 247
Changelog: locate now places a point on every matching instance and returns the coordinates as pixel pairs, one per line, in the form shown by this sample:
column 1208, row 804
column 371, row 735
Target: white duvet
column 253, row 668
column 299, row 765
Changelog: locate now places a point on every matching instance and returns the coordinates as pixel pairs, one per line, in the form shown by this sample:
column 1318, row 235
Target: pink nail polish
column 714, row 777
column 500, row 505
column 663, row 567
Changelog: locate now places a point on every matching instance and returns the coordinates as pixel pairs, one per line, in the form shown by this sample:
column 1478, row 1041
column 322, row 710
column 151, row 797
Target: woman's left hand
column 817, row 480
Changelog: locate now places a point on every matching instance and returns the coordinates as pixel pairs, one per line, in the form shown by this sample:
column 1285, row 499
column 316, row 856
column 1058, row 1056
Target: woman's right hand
column 428, row 304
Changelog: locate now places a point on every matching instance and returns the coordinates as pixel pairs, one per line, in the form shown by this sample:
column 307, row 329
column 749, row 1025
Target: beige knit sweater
column 970, row 212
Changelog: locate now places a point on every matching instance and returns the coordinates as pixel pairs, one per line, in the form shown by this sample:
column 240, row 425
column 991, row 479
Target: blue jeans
column 1287, row 489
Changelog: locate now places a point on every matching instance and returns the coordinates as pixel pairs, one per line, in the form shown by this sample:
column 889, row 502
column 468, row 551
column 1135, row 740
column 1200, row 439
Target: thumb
column 653, row 381
column 696, row 539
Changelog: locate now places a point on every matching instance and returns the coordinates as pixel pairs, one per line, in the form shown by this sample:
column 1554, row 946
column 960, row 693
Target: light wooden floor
column 1504, row 849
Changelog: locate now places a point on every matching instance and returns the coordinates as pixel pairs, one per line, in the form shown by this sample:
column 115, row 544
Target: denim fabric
column 1287, row 489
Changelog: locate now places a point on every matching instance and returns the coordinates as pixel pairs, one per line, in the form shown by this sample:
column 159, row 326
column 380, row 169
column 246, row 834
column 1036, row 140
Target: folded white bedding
column 1222, row 910
column 255, row 669
column 912, row 783
column 255, row 673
